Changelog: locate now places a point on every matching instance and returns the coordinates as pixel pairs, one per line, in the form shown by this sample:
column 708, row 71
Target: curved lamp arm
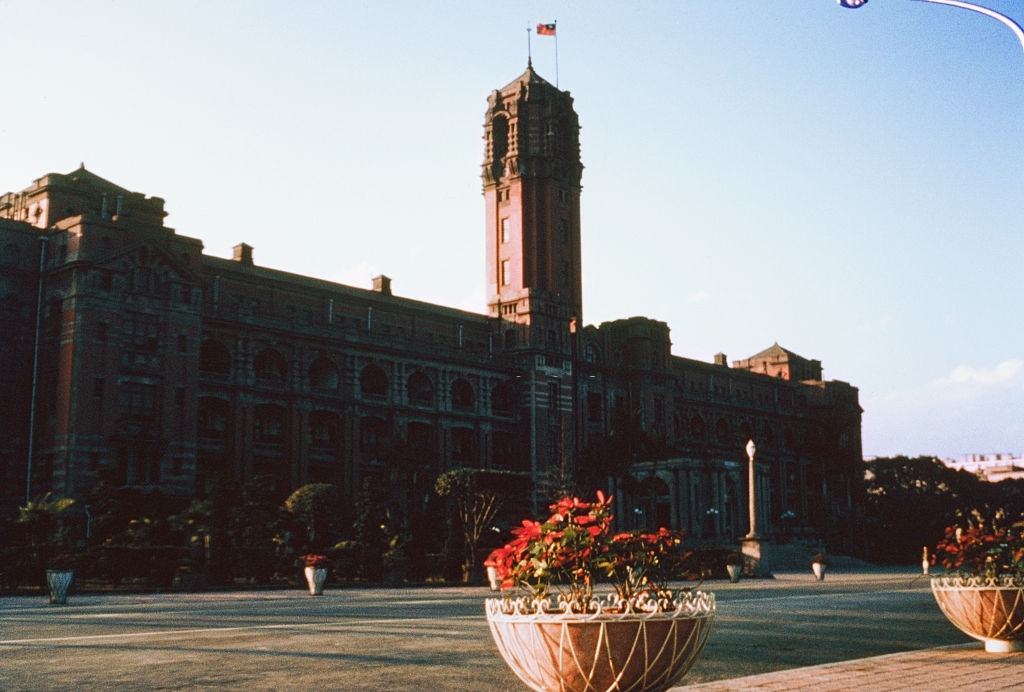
column 1013, row 26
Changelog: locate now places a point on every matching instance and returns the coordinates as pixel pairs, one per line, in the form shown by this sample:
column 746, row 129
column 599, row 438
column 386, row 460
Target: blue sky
column 847, row 183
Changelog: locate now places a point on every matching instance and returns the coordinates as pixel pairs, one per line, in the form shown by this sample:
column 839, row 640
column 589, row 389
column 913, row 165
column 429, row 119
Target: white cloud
column 700, row 296
column 969, row 376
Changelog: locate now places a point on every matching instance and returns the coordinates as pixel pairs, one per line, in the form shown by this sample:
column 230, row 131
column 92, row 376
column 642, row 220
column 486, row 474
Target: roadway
column 424, row 638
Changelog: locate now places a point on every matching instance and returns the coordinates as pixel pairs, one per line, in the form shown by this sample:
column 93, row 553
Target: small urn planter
column 988, row 609
column 818, row 564
column 58, row 581
column 649, row 646
column 734, row 572
column 315, row 578
column 492, row 578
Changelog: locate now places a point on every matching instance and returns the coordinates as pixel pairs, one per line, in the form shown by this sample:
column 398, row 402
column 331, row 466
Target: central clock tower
column 531, row 183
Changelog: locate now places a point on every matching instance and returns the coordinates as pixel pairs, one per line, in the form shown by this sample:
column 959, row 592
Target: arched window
column 323, row 374
column 373, row 382
column 697, row 428
column 270, row 366
column 503, row 399
column 746, row 432
column 499, row 145
column 462, row 395
column 654, row 500
column 213, row 418
column 722, row 430
column 215, row 358
column 421, row 389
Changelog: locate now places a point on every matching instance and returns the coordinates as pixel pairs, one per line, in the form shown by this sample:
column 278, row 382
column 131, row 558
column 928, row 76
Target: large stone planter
column 605, row 650
column 58, row 581
column 991, row 610
column 315, row 578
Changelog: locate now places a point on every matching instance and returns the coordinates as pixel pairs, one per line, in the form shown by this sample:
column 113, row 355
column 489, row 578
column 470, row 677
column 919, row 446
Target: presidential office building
column 167, row 366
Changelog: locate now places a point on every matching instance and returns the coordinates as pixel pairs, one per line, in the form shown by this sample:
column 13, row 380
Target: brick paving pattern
column 960, row 667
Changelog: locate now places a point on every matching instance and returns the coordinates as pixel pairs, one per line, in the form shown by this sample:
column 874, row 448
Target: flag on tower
column 546, row 29
column 853, row 4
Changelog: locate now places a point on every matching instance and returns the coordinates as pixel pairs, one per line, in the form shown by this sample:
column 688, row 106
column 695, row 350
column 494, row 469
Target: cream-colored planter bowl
column 605, row 650
column 819, row 570
column 991, row 610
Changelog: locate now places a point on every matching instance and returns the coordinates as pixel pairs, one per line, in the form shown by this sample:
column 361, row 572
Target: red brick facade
column 168, row 365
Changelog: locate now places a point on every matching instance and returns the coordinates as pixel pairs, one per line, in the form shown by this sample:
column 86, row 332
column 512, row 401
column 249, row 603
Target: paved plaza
column 788, row 632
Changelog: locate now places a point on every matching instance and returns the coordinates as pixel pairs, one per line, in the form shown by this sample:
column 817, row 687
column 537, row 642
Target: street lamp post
column 752, row 489
column 755, row 549
column 1013, row 26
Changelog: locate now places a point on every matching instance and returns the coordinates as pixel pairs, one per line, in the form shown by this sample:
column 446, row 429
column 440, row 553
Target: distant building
column 168, row 366
column 990, row 467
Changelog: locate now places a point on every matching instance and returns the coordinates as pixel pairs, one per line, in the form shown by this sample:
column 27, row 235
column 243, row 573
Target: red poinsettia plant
column 575, row 547
column 983, row 546
column 315, row 560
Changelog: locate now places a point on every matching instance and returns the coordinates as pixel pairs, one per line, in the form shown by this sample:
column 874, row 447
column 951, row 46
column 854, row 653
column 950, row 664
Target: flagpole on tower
column 529, row 50
column 556, row 54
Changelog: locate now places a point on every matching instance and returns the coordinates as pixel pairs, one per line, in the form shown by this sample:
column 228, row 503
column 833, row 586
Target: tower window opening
column 506, row 276
column 505, row 229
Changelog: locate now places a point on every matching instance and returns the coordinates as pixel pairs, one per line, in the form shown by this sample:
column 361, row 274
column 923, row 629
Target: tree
column 909, row 502
column 316, row 507
column 43, row 519
column 477, row 496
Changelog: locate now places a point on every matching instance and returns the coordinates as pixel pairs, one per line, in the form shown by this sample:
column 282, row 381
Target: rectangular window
column 505, row 230
column 563, row 230
column 506, row 277
column 144, row 334
column 138, row 400
column 594, row 412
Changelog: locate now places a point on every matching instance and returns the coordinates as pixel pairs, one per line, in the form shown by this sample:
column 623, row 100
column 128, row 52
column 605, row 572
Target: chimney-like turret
column 243, row 254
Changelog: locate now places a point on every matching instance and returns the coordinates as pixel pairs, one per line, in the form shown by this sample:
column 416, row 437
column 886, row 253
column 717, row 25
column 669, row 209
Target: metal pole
column 752, row 490
column 556, row 53
column 35, row 373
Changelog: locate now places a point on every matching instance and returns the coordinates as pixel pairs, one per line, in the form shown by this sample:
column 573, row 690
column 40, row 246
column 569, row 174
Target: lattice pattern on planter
column 983, row 608
column 604, row 650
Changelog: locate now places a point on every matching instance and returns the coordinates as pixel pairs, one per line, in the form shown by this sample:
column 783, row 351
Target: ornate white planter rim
column 691, row 604
column 959, row 583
